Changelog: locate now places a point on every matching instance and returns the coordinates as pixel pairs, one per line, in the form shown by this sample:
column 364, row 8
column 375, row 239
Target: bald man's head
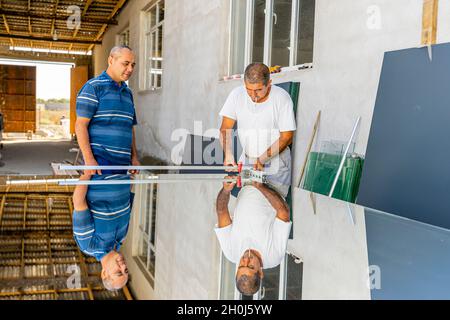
column 121, row 63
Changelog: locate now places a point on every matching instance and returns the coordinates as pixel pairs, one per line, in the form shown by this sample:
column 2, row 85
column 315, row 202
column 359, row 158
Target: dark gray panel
column 414, row 258
column 407, row 167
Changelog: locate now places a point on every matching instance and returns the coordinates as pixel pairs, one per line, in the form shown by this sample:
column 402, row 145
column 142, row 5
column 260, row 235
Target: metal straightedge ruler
column 242, row 175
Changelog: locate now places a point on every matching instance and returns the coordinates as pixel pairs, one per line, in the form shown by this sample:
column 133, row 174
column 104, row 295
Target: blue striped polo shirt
column 111, row 110
column 104, row 226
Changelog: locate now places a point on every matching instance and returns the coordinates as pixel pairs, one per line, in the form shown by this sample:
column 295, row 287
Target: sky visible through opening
column 52, row 79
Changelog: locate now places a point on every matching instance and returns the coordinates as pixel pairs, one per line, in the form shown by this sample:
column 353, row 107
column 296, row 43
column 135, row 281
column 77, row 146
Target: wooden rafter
column 2, row 206
column 7, row 29
column 52, row 32
column 103, row 29
column 86, row 7
column 49, row 38
column 57, row 17
column 42, row 20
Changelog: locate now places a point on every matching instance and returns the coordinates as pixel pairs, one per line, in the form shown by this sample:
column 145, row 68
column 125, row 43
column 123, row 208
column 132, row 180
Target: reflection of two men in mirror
column 256, row 237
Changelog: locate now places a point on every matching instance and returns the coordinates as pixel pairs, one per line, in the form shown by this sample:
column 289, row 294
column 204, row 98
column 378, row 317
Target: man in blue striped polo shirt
column 100, row 223
column 106, row 115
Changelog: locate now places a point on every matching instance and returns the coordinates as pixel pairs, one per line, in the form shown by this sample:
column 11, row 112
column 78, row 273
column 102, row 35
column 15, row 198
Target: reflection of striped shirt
column 103, row 227
column 112, row 114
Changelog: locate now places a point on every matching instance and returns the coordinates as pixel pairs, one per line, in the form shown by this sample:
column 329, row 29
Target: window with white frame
column 123, row 38
column 275, row 32
column 153, row 44
column 146, row 233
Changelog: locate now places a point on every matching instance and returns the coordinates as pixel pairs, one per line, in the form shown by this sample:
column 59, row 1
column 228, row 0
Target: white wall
column 343, row 84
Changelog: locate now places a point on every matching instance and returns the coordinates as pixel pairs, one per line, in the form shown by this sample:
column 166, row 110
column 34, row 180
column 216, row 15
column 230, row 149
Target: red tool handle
column 240, row 166
column 239, row 182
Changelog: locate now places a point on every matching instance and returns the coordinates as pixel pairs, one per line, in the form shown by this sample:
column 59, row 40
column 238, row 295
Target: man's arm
column 134, row 155
column 223, row 215
column 226, row 140
column 276, row 201
column 79, row 195
column 81, row 130
column 276, row 148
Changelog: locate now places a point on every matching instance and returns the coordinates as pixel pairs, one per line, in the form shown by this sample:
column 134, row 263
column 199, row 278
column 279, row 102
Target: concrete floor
column 34, row 157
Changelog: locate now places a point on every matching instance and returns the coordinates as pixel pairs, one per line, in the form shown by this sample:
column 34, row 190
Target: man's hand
column 92, row 163
column 226, row 141
column 230, row 162
column 135, row 162
column 223, row 198
column 259, row 165
column 85, row 177
column 229, row 185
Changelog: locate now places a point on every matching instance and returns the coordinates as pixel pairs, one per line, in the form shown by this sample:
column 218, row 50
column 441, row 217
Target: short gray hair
column 248, row 285
column 115, row 50
column 257, row 73
column 107, row 283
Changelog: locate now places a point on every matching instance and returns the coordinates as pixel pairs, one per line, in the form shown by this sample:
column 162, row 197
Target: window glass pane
column 151, row 267
column 160, row 40
column 161, row 11
column 258, row 31
column 281, row 33
column 152, row 14
column 271, row 284
column 154, row 51
column 228, row 283
column 124, row 38
column 148, row 209
column 153, row 208
column 142, row 218
column 305, row 39
column 294, row 279
column 158, row 81
column 148, row 61
column 239, row 19
column 143, row 249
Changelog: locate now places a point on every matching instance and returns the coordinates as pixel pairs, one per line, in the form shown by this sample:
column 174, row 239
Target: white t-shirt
column 255, row 226
column 259, row 124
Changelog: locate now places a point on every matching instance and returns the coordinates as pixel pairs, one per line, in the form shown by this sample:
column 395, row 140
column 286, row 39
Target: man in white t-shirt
column 257, row 235
column 265, row 125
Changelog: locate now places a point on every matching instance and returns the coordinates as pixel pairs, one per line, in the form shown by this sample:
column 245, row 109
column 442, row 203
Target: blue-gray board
column 413, row 258
column 407, row 163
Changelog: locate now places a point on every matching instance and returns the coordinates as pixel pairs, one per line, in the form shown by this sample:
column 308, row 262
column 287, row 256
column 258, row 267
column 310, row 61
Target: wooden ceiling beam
column 86, row 7
column 7, row 29
column 6, row 24
column 57, row 17
column 52, row 29
column 118, row 6
column 41, row 38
